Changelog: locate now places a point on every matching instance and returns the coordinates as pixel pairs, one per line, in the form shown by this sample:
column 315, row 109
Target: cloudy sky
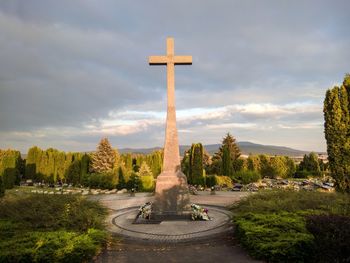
column 74, row 71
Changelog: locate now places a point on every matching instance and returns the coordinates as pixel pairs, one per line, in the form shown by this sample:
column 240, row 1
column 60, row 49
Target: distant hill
column 246, row 148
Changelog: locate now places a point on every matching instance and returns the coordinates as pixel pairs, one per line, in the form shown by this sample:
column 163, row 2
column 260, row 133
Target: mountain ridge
column 245, row 146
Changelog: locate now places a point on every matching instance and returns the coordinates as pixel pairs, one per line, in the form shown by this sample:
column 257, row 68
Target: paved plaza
column 172, row 241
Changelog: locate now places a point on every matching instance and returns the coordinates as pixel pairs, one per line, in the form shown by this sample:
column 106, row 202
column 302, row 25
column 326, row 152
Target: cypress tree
column 337, row 133
column 10, row 165
column 128, row 162
column 2, row 187
column 185, row 165
column 196, row 164
column 226, row 161
column 121, row 176
column 74, row 172
column 32, row 162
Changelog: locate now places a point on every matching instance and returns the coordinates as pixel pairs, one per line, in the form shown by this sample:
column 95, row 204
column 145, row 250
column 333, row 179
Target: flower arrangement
column 199, row 213
column 145, row 210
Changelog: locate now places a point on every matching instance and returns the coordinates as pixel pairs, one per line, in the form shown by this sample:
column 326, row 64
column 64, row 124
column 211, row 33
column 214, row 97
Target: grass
column 50, row 228
column 272, row 225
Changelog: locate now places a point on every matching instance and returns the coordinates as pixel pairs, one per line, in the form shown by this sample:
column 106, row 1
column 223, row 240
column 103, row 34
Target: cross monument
column 172, row 197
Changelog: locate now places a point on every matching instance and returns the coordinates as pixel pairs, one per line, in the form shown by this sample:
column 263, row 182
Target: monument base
column 172, row 200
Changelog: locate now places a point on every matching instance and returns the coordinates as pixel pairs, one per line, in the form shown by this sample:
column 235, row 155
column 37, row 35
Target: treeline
column 52, row 166
column 104, row 168
column 11, row 167
column 199, row 167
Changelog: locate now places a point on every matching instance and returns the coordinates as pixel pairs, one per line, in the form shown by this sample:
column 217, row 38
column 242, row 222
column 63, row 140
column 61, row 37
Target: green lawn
column 289, row 226
column 50, row 228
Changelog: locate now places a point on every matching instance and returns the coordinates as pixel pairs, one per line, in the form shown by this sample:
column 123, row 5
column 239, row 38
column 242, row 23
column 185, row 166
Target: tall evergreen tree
column 104, row 158
column 32, row 162
column 227, row 168
column 2, row 187
column 230, row 146
column 337, row 132
column 10, row 165
column 185, row 165
column 196, row 164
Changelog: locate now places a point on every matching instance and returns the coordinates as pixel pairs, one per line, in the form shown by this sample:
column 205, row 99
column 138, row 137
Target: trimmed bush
column 246, row 176
column 332, row 236
column 146, row 183
column 102, row 180
column 223, row 181
column 57, row 228
column 275, row 237
column 272, row 224
column 54, row 246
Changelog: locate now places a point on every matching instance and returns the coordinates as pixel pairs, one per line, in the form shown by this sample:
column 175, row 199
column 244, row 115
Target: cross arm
column 157, row 60
column 183, row 60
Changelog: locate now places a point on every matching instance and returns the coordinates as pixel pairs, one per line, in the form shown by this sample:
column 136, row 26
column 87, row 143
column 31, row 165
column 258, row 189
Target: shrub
column 246, row 177
column 38, row 228
column 146, row 183
column 291, row 201
column 53, row 212
column 272, row 224
column 223, row 181
column 332, row 235
column 53, row 246
column 275, row 237
column 103, row 180
column 210, row 180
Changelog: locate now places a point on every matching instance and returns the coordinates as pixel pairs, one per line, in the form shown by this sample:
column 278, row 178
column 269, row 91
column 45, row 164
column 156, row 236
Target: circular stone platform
column 121, row 223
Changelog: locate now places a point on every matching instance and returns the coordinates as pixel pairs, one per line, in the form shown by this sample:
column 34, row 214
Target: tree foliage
column 196, row 164
column 337, row 132
column 310, row 164
column 103, row 160
column 226, row 160
column 55, row 166
column 10, row 167
column 2, row 187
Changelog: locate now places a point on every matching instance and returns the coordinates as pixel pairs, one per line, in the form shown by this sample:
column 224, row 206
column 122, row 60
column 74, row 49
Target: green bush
column 275, row 237
column 210, row 180
column 246, row 176
column 146, row 183
column 58, row 228
column 53, row 212
column 102, row 180
column 272, row 224
column 53, row 246
column 332, row 235
column 274, row 201
column 223, row 181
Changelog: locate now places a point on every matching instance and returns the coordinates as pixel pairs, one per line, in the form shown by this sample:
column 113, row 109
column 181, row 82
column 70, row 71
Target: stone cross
column 171, row 197
column 171, row 148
